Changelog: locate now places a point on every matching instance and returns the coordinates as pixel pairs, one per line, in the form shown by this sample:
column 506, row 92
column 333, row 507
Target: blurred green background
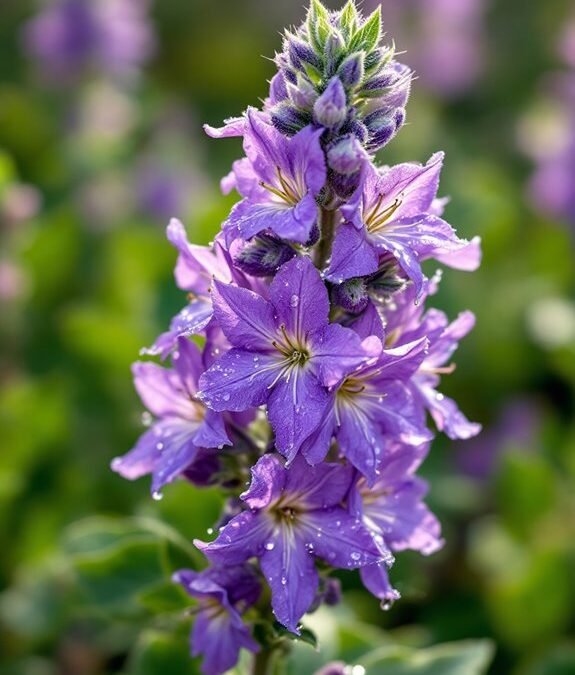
column 89, row 169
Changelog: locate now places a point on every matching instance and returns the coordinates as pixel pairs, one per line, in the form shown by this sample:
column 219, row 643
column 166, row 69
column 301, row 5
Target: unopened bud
column 288, row 120
column 263, row 256
column 351, row 70
column 302, row 95
column 330, row 109
column 351, row 295
column 346, row 155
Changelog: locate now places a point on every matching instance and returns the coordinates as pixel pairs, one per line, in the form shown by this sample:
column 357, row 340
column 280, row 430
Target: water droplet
column 439, row 396
column 294, row 300
column 157, row 495
column 226, row 397
column 269, row 546
column 210, row 530
column 355, row 556
column 386, row 604
column 146, row 419
column 283, row 581
column 159, row 446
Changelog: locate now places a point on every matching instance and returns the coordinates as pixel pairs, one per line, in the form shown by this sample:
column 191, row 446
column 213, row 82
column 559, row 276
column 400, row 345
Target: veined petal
column 317, row 487
column 212, row 432
column 246, row 319
column 239, row 380
column 162, row 391
column 353, row 255
column 376, row 579
column 446, row 414
column 290, row 571
column 337, row 351
column 361, row 439
column 243, row 537
column 466, row 258
column 296, row 406
column 340, row 539
column 268, row 481
column 187, row 362
column 165, row 451
column 300, row 297
column 307, row 159
column 191, row 320
column 234, row 126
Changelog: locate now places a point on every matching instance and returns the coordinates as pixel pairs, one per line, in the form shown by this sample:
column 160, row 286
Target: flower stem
column 264, row 661
column 327, row 223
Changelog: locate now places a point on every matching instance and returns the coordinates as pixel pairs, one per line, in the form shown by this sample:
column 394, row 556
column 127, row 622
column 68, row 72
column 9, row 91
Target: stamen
column 384, row 216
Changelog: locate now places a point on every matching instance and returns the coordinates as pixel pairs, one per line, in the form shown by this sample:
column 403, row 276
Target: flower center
column 376, row 218
column 294, row 351
column 285, row 189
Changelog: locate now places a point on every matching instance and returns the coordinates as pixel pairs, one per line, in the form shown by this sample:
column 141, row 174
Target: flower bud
column 343, row 185
column 386, row 281
column 263, row 256
column 334, row 52
column 301, row 53
column 351, row 70
column 330, row 109
column 288, row 120
column 351, row 295
column 302, row 95
column 278, row 89
column 346, row 155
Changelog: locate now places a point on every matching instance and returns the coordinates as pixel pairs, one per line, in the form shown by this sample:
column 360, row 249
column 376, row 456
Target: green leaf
column 318, row 25
column 368, row 36
column 348, row 19
column 457, row 658
column 306, row 635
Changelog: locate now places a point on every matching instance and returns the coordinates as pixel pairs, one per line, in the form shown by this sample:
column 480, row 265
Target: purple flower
column 370, row 408
column 393, row 509
column 285, row 353
column 196, row 269
column 279, row 182
column 223, row 595
column 113, row 36
column 406, row 322
column 392, row 212
column 294, row 516
column 182, row 424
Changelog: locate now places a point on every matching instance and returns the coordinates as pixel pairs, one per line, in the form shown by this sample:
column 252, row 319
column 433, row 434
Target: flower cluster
column 304, row 363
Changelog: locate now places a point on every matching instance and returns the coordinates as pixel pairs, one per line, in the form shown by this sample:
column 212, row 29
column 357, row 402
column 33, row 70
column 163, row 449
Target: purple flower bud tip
column 346, row 155
column 330, row 109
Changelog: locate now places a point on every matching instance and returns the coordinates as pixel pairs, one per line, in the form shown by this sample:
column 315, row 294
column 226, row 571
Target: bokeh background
column 100, row 143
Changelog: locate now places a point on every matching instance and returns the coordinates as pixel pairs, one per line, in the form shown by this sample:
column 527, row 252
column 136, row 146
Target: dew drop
column 294, row 300
column 157, row 495
column 226, row 397
column 386, row 604
column 146, row 419
column 269, row 546
column 210, row 530
column 355, row 556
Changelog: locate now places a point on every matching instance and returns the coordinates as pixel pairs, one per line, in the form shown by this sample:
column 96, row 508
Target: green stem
column 263, row 661
column 327, row 223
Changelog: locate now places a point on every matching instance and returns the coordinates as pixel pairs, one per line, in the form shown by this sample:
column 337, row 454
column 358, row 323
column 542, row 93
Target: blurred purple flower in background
column 551, row 140
column 516, row 427
column 444, row 40
column 67, row 37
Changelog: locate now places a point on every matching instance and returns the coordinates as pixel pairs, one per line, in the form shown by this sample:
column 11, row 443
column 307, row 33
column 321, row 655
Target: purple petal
column 295, row 408
column 307, row 158
column 246, row 319
column 212, row 432
column 467, row 258
column 447, row 416
column 376, row 579
column 268, row 480
column 369, row 322
column 300, row 297
column 165, row 451
column 163, row 392
column 339, row 538
column 187, row 362
column 353, row 255
column 318, row 487
column 242, row 538
column 191, row 320
column 239, row 380
column 291, row 575
column 235, row 126
column 337, row 351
